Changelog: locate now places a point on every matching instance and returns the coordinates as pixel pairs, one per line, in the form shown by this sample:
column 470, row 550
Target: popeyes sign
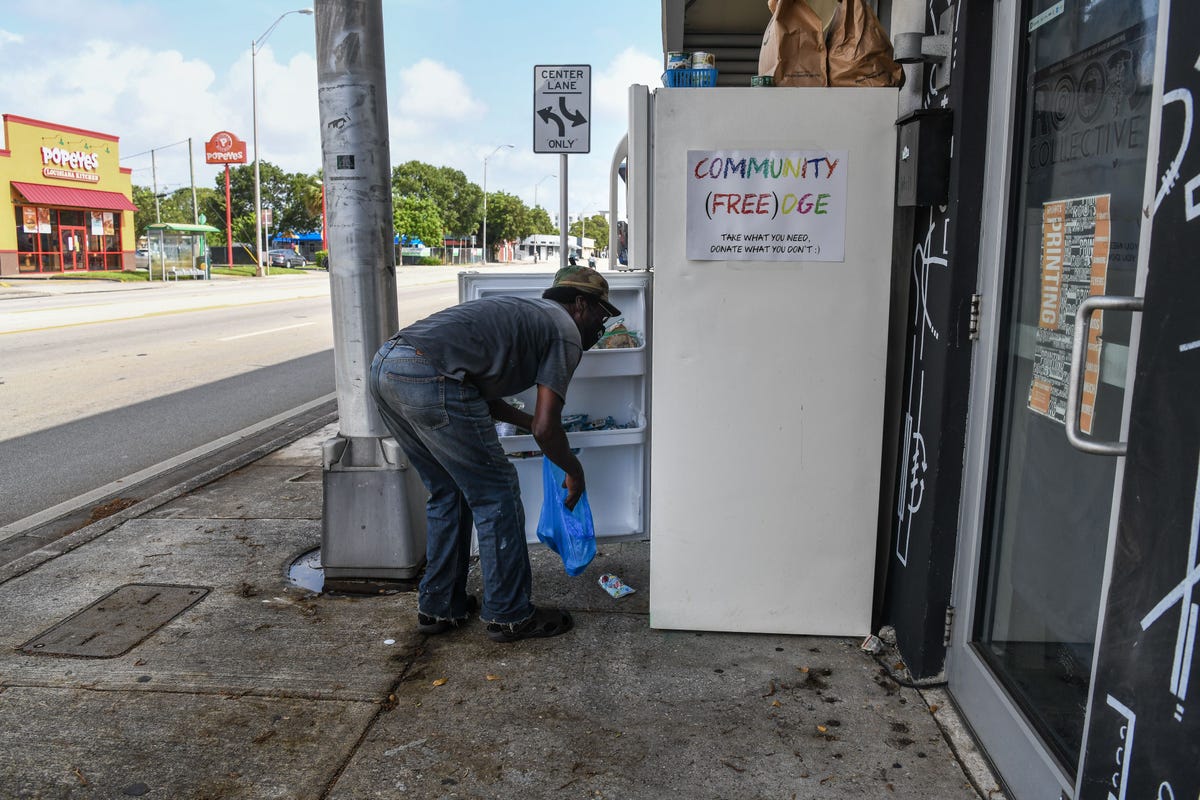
column 71, row 165
column 224, row 148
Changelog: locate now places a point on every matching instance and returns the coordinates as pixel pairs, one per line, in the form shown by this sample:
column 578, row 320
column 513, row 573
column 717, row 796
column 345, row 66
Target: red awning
column 78, row 198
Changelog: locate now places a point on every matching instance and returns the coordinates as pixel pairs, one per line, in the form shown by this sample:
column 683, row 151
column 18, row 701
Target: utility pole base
column 373, row 520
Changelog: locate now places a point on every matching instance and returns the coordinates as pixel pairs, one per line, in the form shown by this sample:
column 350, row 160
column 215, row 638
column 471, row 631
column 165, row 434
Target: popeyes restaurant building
column 72, row 207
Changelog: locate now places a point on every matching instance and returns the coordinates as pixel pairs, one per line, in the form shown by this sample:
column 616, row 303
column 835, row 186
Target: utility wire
column 152, row 149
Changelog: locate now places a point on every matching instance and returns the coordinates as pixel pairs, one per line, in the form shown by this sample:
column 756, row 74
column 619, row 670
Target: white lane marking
column 261, row 333
column 1183, row 348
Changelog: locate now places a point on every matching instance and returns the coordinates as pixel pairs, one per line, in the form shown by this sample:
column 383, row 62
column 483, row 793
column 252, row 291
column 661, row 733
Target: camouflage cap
column 588, row 281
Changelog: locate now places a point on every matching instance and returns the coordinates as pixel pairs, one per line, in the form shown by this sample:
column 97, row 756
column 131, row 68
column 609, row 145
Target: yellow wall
column 24, row 139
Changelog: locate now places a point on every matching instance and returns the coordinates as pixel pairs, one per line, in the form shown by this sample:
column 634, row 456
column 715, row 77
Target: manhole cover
column 117, row 622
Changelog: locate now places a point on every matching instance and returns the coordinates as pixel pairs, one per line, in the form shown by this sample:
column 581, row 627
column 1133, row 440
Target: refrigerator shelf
column 615, row 485
column 612, row 363
column 580, row 439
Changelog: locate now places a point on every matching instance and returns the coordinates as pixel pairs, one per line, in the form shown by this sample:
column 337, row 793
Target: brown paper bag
column 797, row 51
column 859, row 51
column 793, row 47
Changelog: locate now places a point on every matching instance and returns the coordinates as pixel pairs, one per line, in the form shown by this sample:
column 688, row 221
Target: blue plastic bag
column 568, row 533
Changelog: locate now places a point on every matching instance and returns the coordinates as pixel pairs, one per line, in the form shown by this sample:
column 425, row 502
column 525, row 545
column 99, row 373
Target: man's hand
column 552, row 439
column 574, row 486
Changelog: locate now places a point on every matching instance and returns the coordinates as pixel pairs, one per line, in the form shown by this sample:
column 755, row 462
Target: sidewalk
column 263, row 689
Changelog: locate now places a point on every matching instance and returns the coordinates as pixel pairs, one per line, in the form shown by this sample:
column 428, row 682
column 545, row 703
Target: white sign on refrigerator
column 766, row 205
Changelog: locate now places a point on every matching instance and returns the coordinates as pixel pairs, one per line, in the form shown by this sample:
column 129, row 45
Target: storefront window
column 74, row 218
column 90, row 239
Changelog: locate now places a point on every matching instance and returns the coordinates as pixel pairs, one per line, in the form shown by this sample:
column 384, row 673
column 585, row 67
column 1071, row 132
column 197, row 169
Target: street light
column 485, row 160
column 535, row 188
column 255, row 46
column 604, row 213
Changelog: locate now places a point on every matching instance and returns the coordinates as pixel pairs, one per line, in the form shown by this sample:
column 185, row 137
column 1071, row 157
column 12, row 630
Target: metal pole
column 485, row 160
column 258, row 249
column 228, row 221
column 373, row 522
column 562, row 211
column 154, row 180
column 192, row 172
column 255, row 46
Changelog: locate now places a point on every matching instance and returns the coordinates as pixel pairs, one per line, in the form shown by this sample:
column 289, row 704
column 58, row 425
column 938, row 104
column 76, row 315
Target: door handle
column 1083, row 322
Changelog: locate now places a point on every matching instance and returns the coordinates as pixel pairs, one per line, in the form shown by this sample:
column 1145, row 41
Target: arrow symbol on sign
column 546, row 114
column 576, row 118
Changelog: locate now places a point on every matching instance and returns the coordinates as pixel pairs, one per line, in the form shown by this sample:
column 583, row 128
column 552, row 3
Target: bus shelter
column 178, row 250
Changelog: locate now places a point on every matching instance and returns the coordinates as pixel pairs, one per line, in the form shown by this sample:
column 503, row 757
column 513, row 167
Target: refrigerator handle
column 614, row 181
column 639, row 181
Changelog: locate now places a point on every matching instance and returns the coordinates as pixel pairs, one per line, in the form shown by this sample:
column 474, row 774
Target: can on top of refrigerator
column 703, row 60
column 678, row 60
column 762, row 80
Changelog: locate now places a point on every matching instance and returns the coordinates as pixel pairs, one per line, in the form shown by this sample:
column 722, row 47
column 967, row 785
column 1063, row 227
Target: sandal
column 432, row 625
column 543, row 623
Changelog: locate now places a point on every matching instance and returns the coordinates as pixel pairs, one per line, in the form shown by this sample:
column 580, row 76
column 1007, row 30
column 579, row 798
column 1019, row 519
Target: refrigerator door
column 769, row 377
column 607, row 383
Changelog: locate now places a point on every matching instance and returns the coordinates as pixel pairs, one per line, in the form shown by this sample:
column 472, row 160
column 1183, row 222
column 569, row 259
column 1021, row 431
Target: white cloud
column 433, row 91
column 610, row 88
column 154, row 97
column 289, row 133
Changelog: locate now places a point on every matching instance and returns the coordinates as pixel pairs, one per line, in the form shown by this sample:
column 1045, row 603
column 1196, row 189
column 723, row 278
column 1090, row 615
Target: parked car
column 285, row 258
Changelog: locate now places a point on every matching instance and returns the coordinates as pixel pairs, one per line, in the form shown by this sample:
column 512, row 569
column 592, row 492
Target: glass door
column 71, row 240
column 1082, row 75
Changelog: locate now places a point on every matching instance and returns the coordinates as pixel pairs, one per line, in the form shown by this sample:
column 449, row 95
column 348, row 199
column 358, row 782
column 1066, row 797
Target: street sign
column 562, row 108
column 224, row 148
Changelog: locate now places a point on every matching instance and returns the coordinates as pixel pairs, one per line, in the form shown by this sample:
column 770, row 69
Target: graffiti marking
column 1172, row 174
column 1189, row 613
column 1120, row 779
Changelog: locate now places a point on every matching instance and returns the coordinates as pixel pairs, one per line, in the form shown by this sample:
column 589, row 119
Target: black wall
column 926, row 498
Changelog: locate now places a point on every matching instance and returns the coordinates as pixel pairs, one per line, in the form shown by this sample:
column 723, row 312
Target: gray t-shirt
column 501, row 345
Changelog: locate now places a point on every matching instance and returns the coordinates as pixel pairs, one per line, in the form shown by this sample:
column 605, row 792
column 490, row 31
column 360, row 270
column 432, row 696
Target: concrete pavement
column 265, row 689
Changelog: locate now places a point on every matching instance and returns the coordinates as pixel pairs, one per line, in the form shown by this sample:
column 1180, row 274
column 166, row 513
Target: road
column 100, row 386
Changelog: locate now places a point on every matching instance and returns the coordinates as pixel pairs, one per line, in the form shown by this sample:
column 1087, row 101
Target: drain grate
column 117, row 622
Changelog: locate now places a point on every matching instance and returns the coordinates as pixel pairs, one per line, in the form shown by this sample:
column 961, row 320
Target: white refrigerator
column 758, row 391
column 768, row 366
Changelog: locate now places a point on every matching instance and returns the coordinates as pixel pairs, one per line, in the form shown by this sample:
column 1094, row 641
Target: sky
column 459, row 82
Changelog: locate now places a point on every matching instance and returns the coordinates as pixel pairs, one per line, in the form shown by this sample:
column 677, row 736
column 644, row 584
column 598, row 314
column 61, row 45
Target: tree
column 596, row 228
column 288, row 195
column 302, row 213
column 539, row 220
column 175, row 206
column 508, row 218
column 418, row 218
column 459, row 202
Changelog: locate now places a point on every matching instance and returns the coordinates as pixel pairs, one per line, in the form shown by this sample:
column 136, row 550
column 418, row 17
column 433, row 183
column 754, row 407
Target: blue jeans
column 446, row 430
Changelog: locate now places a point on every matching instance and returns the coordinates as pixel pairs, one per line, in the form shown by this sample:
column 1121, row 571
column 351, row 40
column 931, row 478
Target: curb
column 30, row 561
